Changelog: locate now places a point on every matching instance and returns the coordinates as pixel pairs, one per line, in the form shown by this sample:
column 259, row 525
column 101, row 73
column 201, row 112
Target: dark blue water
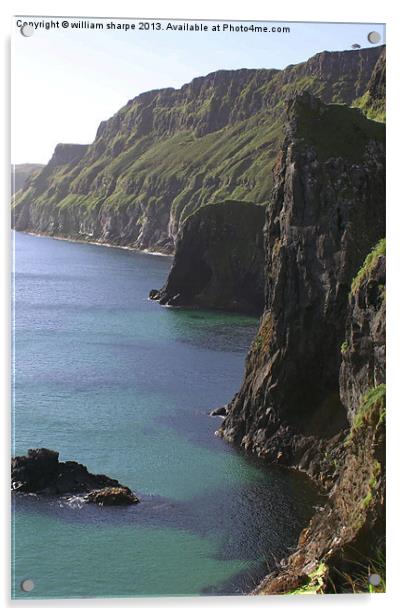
column 117, row 382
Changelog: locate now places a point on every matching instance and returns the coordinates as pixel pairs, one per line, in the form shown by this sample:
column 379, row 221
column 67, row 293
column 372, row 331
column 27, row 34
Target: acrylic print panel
column 199, row 307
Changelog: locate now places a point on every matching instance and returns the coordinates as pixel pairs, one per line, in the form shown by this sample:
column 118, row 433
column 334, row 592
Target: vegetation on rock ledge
column 368, row 265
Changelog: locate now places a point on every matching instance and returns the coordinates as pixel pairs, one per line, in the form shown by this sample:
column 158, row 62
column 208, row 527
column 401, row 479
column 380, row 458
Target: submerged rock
column 41, row 472
column 221, row 411
column 113, row 496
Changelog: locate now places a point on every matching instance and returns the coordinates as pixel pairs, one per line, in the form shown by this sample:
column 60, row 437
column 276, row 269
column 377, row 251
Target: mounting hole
column 27, row 30
column 27, row 585
column 374, row 579
column 374, row 37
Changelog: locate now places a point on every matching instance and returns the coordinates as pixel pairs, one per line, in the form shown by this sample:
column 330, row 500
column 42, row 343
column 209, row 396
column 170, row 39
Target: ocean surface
column 117, row 382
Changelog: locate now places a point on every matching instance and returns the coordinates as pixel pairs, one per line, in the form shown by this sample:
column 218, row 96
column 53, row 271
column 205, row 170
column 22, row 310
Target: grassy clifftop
column 168, row 152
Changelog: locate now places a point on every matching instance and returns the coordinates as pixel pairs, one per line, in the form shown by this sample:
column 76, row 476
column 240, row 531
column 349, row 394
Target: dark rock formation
column 346, row 540
column 221, row 411
column 327, row 211
column 169, row 152
column 219, row 260
column 112, row 496
column 313, row 395
column 40, row 472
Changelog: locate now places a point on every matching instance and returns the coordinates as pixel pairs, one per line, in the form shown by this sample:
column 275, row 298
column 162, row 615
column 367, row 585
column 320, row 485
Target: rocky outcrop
column 327, row 211
column 67, row 154
column 112, row 496
column 169, row 152
column 219, row 260
column 345, row 542
column 220, row 411
column 41, row 472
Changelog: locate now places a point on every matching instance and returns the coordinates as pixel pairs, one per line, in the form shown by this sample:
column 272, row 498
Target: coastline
column 146, row 251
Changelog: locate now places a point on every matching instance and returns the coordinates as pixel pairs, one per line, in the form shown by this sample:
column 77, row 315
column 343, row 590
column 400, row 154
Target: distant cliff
column 20, row 173
column 219, row 259
column 168, row 152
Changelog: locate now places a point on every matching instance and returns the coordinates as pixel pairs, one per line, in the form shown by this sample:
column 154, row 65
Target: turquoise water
column 117, row 382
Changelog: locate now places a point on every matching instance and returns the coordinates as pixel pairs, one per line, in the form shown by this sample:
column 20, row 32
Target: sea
column 117, row 382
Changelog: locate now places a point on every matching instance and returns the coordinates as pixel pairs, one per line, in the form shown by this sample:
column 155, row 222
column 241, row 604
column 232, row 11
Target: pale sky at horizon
column 65, row 82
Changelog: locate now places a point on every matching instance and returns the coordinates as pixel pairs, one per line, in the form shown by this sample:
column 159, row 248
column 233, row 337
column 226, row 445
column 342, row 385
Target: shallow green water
column 123, row 385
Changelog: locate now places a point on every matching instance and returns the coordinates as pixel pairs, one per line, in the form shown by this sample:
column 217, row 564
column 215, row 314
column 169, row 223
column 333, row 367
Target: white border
column 293, row 10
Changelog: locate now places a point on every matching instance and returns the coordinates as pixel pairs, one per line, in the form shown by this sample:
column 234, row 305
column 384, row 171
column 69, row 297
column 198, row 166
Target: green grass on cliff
column 361, row 569
column 182, row 170
column 155, row 157
column 368, row 265
column 372, row 409
column 376, row 472
column 344, row 347
column 373, row 110
column 316, row 582
column 337, row 131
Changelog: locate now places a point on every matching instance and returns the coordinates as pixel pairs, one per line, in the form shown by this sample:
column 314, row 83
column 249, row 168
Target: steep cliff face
column 373, row 101
column 363, row 350
column 345, row 542
column 168, row 152
column 219, row 260
column 327, row 211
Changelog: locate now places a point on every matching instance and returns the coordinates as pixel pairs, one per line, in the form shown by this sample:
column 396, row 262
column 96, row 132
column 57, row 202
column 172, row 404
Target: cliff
column 20, row 174
column 168, row 152
column 327, row 211
column 313, row 391
column 363, row 350
column 373, row 100
column 219, row 259
column 345, row 542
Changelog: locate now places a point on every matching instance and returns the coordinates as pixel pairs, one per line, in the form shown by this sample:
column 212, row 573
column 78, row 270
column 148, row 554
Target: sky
column 65, row 81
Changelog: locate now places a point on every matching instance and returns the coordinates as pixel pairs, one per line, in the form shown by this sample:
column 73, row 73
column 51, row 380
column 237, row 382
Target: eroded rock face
column 41, row 472
column 219, row 260
column 327, row 211
column 347, row 538
column 363, row 350
column 376, row 87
